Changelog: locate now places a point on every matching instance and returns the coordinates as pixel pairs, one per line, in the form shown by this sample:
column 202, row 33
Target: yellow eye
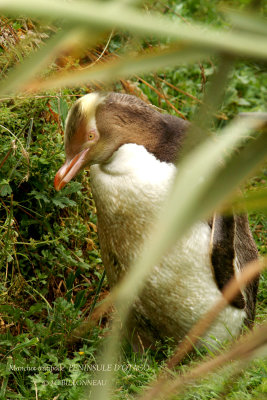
column 91, row 136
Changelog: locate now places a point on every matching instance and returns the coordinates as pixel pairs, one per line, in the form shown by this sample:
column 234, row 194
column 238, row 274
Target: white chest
column 128, row 192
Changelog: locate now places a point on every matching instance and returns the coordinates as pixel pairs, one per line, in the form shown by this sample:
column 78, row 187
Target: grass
column 50, row 263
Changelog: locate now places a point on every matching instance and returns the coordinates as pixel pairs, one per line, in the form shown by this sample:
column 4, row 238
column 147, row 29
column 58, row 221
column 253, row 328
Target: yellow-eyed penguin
column 132, row 149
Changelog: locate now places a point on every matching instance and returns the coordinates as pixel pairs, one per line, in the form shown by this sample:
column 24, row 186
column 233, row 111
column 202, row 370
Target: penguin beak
column 70, row 169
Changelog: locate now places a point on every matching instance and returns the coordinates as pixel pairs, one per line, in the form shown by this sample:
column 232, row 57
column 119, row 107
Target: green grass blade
column 5, row 378
column 106, row 15
column 25, row 344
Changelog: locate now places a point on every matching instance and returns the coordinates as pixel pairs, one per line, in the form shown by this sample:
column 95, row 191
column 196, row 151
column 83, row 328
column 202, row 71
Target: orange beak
column 70, row 169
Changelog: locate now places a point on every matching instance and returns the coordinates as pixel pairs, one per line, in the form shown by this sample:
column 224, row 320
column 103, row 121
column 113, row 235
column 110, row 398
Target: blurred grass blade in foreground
column 121, row 67
column 107, row 15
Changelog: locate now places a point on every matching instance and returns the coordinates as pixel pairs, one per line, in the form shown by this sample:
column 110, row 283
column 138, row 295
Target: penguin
column 133, row 152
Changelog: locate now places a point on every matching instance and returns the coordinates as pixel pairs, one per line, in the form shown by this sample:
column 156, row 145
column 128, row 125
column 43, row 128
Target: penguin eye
column 91, row 136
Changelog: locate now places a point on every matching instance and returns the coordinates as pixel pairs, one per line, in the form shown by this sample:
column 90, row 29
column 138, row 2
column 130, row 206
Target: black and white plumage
column 132, row 149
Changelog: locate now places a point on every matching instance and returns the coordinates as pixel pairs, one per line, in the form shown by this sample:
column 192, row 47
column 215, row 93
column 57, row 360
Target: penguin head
column 98, row 124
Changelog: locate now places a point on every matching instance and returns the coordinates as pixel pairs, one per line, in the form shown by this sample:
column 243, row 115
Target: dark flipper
column 246, row 251
column 223, row 253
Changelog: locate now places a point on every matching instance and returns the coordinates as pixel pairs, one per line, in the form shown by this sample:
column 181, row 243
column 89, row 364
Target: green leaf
column 24, row 345
column 63, row 202
column 40, row 196
column 80, row 299
column 64, row 109
column 35, row 309
column 5, row 189
column 69, row 281
column 60, row 107
column 73, row 187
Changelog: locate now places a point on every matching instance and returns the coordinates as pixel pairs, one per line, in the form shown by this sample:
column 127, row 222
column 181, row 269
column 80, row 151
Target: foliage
column 50, row 263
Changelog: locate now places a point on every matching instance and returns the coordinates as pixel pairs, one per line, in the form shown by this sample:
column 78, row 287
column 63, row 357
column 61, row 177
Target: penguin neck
column 134, row 160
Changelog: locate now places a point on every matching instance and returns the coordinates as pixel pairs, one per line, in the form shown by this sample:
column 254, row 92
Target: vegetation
column 50, row 264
